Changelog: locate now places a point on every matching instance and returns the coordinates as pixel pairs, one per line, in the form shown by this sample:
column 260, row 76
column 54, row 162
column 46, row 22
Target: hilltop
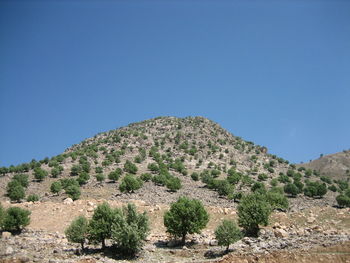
column 168, row 157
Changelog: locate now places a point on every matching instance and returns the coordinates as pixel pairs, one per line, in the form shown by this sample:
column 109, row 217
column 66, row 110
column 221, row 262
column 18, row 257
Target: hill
column 335, row 165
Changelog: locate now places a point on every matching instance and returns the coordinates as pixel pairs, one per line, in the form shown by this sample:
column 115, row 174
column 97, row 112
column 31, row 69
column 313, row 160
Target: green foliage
column 233, row 176
column 99, row 228
column 98, row 170
column 253, row 211
column 291, row 189
column 2, row 215
column 173, row 183
column 227, row 233
column 15, row 219
column 315, row 189
column 66, row 182
column 39, row 174
column 186, row 216
column 56, row 187
column 195, row 176
column 100, row 177
column 22, row 179
column 343, row 200
column 326, row 179
column 77, row 231
column 83, row 178
column 332, row 188
column 75, row 170
column 130, row 167
column 223, row 187
column 153, row 167
column 277, row 200
column 343, row 185
column 73, row 191
column 284, row 179
column 15, row 191
column 130, row 184
column 115, row 175
column 146, row 177
column 262, row 177
column 32, row 198
column 274, row 182
column 129, row 229
column 258, row 187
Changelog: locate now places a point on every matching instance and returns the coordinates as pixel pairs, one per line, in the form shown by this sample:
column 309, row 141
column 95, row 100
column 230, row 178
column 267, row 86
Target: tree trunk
column 183, row 240
column 82, row 246
column 227, row 248
column 103, row 244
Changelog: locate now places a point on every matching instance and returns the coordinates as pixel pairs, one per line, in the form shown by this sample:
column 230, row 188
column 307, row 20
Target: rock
column 226, row 211
column 185, row 248
column 90, row 209
column 6, row 235
column 280, row 233
column 213, row 242
column 68, row 201
column 9, row 251
column 90, row 203
column 310, row 220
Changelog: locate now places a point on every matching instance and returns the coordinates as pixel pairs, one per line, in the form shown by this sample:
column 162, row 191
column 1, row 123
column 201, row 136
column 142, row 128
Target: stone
column 90, row 209
column 213, row 242
column 68, row 201
column 9, row 251
column 310, row 220
column 6, row 235
column 280, row 233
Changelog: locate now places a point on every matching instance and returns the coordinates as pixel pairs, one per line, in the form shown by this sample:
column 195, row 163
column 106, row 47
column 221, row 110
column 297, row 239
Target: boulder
column 68, row 201
column 280, row 233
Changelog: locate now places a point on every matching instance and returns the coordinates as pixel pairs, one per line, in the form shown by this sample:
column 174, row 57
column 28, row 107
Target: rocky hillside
column 335, row 165
column 199, row 158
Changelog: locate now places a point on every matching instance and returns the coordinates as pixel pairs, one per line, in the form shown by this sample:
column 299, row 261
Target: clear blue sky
column 273, row 72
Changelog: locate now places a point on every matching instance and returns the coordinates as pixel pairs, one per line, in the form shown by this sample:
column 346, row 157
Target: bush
column 262, row 177
column 233, row 176
column 56, row 187
column 129, row 229
column 314, row 189
column 173, row 184
column 100, row 177
column 291, row 189
column 22, row 179
column 32, row 198
column 223, row 187
column 227, row 233
column 253, row 211
column 73, row 191
column 83, row 178
column 99, row 228
column 75, row 170
column 332, row 188
column 277, row 200
column 160, row 179
column 115, row 175
column 66, row 182
column 130, row 167
column 16, row 219
column 2, row 215
column 146, row 177
column 186, row 216
column 77, row 231
column 15, row 191
column 130, row 184
column 343, row 200
column 195, row 176
column 39, row 174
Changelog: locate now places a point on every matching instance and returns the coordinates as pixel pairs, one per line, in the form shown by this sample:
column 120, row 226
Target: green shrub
column 146, row 177
column 130, row 167
column 223, row 187
column 22, row 179
column 315, row 189
column 32, row 198
column 66, row 182
column 130, row 184
column 274, row 182
column 16, row 219
column 343, row 200
column 173, row 184
column 291, row 189
column 39, row 174
column 115, row 175
column 332, row 188
column 253, row 211
column 227, row 233
column 100, row 177
column 186, row 216
column 262, row 177
column 75, row 170
column 56, row 187
column 153, row 167
column 83, row 178
column 129, row 229
column 15, row 191
column 99, row 228
column 77, row 231
column 160, row 179
column 195, row 176
column 73, row 191
column 277, row 200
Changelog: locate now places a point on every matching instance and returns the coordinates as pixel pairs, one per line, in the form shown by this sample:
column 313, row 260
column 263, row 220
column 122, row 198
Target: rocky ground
column 290, row 237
